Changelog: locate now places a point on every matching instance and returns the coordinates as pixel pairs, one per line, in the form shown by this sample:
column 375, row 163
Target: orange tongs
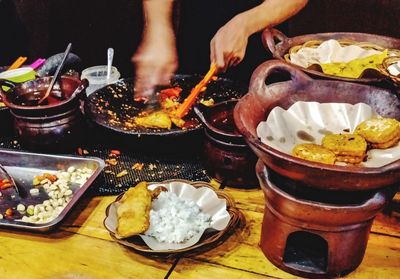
column 187, row 104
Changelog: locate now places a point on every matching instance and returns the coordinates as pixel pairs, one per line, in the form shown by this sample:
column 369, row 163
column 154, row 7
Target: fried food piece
column 314, row 152
column 349, row 159
column 157, row 191
column 380, row 132
column 348, row 148
column 134, row 211
column 158, row 119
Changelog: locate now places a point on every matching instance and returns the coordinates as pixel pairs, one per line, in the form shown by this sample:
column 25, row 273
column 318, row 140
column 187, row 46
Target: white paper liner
column 394, row 69
column 204, row 197
column 309, row 122
column 329, row 51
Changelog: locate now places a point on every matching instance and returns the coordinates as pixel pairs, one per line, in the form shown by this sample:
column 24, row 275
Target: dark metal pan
column 116, row 102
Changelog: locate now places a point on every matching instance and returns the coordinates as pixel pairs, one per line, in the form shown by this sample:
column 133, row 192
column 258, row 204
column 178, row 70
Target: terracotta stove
column 316, row 233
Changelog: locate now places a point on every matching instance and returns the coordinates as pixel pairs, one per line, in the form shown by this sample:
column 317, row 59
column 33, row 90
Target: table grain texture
column 82, row 248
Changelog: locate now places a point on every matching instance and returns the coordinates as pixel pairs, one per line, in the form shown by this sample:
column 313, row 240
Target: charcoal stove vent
column 306, row 252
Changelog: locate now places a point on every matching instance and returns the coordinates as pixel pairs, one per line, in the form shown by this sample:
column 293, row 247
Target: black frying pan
column 117, row 100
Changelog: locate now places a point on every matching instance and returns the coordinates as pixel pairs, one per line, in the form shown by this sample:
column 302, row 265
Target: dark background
column 40, row 28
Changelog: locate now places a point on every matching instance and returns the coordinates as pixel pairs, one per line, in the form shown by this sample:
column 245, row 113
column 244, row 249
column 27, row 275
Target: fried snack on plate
column 157, row 191
column 134, row 211
column 380, row 132
column 314, row 152
column 348, row 148
column 158, row 119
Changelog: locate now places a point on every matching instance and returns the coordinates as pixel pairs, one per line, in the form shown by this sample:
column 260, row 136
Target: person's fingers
column 217, row 56
column 212, row 52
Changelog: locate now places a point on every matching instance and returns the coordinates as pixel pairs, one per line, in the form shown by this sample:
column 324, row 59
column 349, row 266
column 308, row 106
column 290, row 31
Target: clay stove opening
column 306, row 251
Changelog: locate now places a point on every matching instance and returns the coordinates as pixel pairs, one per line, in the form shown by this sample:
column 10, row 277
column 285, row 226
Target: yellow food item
column 354, row 68
column 349, row 159
column 314, row 152
column 158, row 119
column 380, row 132
column 348, row 148
column 134, row 211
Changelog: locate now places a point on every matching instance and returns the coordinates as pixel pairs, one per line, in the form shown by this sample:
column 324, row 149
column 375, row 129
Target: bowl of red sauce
column 55, row 124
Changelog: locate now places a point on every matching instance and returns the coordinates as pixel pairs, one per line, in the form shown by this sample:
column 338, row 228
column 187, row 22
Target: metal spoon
column 110, row 57
column 56, row 74
column 5, row 175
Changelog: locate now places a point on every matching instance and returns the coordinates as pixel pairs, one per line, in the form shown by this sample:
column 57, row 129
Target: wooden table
column 82, row 248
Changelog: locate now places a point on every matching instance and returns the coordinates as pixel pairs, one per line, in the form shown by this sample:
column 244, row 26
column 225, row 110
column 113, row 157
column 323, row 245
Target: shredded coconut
column 175, row 220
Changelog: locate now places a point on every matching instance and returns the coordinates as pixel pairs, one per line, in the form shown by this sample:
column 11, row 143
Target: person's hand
column 155, row 62
column 228, row 46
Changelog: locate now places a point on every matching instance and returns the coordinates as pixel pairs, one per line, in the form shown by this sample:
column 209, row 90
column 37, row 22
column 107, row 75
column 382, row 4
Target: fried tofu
column 348, row 148
column 158, row 119
column 314, row 152
column 134, row 211
column 380, row 132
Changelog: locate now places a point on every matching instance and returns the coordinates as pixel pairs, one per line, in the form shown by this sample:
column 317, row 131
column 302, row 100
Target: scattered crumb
column 152, row 167
column 112, row 161
column 138, row 166
column 122, row 173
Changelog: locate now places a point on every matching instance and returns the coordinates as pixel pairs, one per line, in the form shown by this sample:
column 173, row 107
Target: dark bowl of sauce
column 56, row 124
column 226, row 155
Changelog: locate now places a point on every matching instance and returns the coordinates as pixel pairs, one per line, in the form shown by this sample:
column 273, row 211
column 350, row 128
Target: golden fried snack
column 314, row 152
column 134, row 211
column 158, row 119
column 349, row 148
column 380, row 132
column 157, row 191
column 349, row 159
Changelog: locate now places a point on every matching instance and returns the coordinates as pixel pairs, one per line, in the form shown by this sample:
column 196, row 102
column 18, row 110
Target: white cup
column 97, row 77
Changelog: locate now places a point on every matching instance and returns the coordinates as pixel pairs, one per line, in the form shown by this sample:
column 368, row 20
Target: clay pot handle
column 262, row 72
column 268, row 40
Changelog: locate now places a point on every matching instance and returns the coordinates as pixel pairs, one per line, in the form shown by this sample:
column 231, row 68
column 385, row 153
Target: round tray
column 207, row 241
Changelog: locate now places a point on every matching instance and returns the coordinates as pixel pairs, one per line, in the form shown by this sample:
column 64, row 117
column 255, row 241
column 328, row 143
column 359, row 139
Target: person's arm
column 156, row 58
column 228, row 46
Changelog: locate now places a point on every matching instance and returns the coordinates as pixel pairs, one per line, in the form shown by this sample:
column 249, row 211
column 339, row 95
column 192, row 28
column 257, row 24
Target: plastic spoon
column 110, row 57
column 56, row 74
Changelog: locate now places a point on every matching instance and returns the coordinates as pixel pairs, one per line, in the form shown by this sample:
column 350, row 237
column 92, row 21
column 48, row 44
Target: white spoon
column 110, row 57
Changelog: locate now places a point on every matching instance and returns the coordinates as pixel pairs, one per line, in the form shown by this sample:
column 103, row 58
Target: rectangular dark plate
column 24, row 166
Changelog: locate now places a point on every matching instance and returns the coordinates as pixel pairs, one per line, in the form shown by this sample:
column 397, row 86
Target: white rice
column 175, row 220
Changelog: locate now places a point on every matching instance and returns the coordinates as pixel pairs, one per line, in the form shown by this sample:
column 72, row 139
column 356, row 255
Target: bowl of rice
column 185, row 217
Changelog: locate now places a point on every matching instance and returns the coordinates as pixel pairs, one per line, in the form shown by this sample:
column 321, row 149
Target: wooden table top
column 82, row 248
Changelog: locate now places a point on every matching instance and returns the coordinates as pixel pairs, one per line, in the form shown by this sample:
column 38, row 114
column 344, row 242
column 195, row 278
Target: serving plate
column 224, row 217
column 309, row 122
column 24, row 166
column 279, row 45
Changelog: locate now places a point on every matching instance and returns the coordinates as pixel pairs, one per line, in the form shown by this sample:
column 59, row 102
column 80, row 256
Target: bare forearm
column 269, row 14
column 157, row 16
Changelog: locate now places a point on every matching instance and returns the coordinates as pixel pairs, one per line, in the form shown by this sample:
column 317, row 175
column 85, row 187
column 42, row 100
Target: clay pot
column 311, row 238
column 54, row 126
column 279, row 45
column 261, row 99
column 226, row 155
